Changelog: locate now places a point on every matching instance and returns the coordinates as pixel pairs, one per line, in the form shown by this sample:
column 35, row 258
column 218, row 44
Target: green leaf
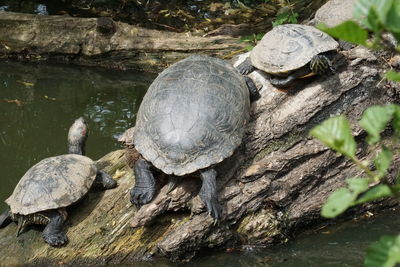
column 357, row 185
column 374, row 121
column 337, row 203
column 246, row 38
column 373, row 21
column 335, row 133
column 393, row 75
column 383, row 160
column 392, row 22
column 249, row 47
column 383, row 253
column 280, row 19
column 396, row 120
column 348, row 31
column 374, row 193
column 363, row 9
column 259, row 36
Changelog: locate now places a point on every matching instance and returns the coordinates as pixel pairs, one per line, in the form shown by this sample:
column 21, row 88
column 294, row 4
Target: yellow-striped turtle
column 53, row 184
column 289, row 52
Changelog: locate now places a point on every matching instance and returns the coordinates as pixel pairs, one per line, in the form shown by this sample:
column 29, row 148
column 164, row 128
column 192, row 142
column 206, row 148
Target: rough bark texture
column 273, row 185
column 102, row 42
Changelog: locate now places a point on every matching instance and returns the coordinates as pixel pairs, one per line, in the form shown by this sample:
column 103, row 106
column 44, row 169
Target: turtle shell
column 192, row 116
column 53, row 183
column 289, row 47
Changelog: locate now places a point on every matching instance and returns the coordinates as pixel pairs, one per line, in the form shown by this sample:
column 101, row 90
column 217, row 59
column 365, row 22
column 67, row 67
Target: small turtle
column 192, row 117
column 289, row 52
column 51, row 185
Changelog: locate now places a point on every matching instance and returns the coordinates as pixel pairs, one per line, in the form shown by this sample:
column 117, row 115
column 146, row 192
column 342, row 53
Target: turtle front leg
column 145, row 184
column 208, row 193
column 5, row 218
column 52, row 233
column 104, row 181
column 245, row 67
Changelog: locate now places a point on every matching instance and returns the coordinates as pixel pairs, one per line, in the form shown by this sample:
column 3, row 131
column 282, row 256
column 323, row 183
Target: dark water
column 343, row 245
column 51, row 97
column 39, row 103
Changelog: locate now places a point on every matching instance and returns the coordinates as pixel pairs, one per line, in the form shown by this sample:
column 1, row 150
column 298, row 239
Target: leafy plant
column 336, row 134
column 376, row 16
column 252, row 39
column 288, row 16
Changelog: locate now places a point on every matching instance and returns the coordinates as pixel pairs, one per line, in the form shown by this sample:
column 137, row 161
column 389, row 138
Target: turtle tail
column 5, row 218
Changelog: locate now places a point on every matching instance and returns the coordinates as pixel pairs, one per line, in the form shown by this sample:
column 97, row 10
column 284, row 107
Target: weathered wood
column 273, row 185
column 102, row 42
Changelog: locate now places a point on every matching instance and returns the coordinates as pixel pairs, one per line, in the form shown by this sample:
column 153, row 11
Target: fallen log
column 274, row 185
column 102, row 42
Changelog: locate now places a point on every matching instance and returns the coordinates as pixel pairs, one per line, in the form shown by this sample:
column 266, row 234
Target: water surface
column 38, row 103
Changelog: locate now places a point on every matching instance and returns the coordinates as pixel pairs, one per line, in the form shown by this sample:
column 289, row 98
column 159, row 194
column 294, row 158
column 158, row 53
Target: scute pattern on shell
column 192, row 116
column 289, row 47
column 53, row 183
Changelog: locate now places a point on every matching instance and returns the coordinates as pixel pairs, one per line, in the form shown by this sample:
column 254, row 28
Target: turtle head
column 77, row 136
column 321, row 64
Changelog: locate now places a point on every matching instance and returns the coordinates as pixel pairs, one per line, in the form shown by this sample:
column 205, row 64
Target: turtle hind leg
column 208, row 193
column 5, row 218
column 52, row 233
column 145, row 184
column 104, row 181
column 245, row 67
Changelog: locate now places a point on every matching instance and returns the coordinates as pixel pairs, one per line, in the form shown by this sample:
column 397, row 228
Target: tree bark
column 102, row 42
column 274, row 185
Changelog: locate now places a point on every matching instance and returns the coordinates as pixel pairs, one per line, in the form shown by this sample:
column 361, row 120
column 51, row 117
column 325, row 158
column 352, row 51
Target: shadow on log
column 272, row 186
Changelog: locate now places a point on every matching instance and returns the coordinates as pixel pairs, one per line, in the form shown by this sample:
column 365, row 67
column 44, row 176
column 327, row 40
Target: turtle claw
column 214, row 210
column 140, row 196
column 143, row 191
column 208, row 194
column 56, row 239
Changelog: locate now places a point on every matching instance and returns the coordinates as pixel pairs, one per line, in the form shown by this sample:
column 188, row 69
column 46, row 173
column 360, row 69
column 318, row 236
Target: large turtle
column 192, row 117
column 54, row 183
column 289, row 52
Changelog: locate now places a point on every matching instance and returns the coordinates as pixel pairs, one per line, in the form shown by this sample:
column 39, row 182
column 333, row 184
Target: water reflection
column 38, row 104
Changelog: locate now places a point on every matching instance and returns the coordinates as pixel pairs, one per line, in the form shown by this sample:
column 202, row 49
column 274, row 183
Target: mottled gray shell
column 53, row 183
column 289, row 47
column 335, row 12
column 192, row 116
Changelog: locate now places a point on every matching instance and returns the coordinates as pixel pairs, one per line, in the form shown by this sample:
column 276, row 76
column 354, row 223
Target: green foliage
column 336, row 133
column 374, row 16
column 392, row 75
column 348, row 31
column 343, row 198
column 374, row 121
column 285, row 17
column 252, row 39
column 383, row 253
